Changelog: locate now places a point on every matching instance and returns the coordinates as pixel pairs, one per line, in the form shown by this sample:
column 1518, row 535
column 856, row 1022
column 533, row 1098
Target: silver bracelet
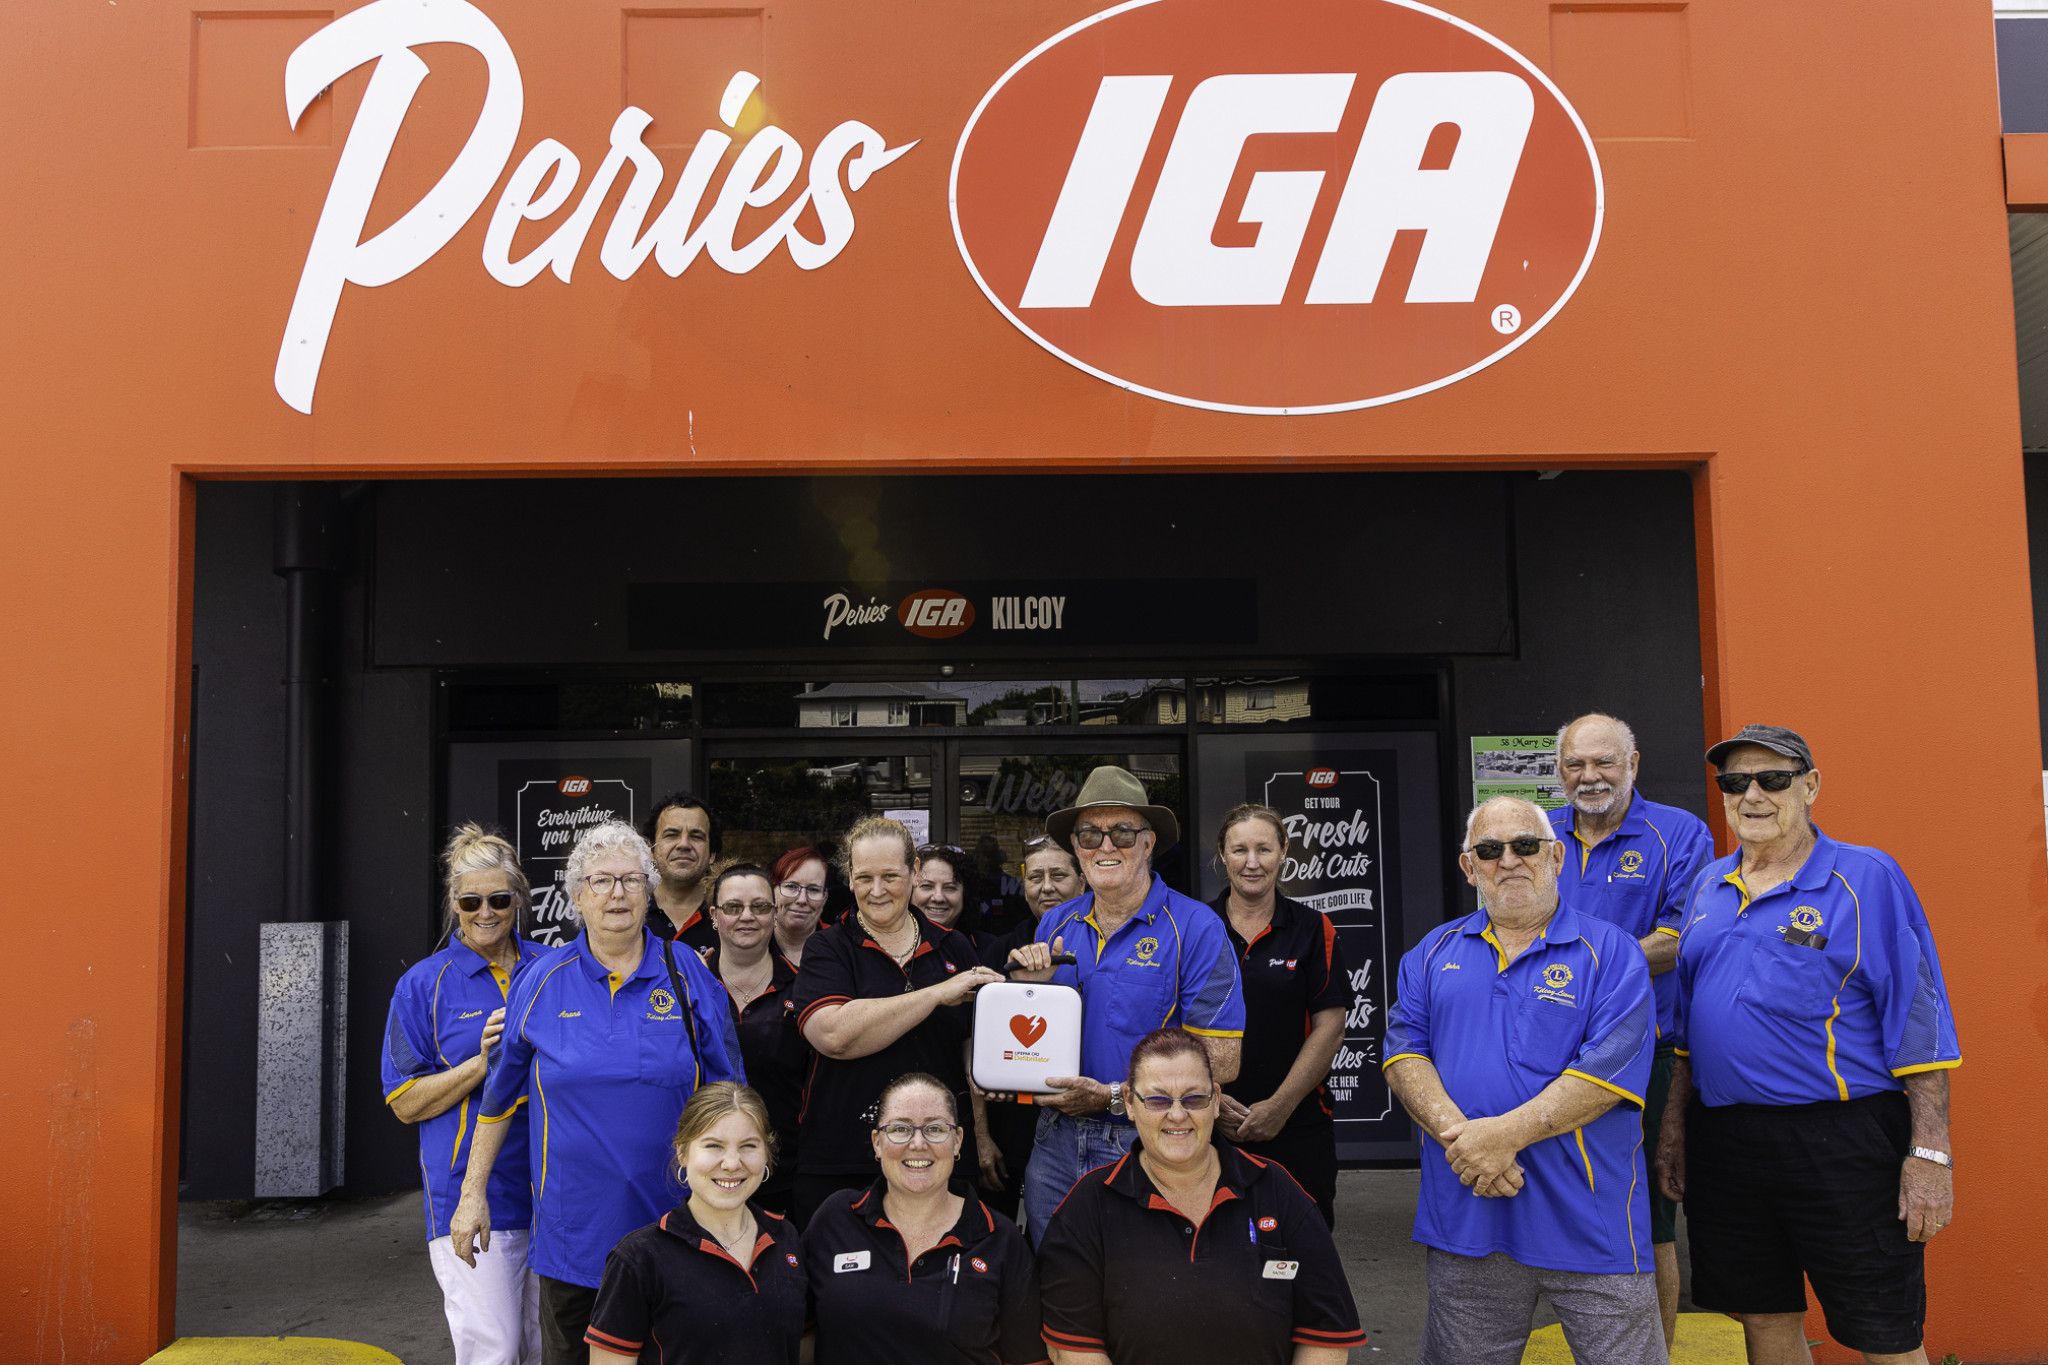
column 1938, row 1158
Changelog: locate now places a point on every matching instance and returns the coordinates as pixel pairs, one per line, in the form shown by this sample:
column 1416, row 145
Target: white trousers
column 493, row 1310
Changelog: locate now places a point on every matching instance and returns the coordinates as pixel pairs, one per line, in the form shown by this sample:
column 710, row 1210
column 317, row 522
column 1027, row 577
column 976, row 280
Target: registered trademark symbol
column 1506, row 319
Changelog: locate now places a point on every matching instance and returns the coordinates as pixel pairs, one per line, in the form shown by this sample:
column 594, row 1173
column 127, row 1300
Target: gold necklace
column 916, row 937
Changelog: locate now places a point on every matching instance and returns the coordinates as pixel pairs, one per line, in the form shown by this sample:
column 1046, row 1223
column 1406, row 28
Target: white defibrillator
column 1025, row 1031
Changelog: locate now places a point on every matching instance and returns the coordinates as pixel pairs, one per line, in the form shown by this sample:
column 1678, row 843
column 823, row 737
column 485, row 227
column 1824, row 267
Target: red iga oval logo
column 1322, row 777
column 935, row 613
column 1280, row 206
column 575, row 786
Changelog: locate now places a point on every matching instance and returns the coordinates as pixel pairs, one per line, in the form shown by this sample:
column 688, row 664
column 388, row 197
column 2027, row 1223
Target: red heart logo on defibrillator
column 1029, row 1028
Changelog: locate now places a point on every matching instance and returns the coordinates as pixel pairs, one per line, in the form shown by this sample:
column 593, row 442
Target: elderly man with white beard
column 1632, row 862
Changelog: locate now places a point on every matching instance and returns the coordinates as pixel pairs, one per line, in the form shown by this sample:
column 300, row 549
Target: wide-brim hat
column 1113, row 786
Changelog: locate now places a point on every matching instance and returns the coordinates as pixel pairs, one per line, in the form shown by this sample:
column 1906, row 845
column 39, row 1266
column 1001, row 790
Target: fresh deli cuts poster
column 1341, row 809
column 548, row 803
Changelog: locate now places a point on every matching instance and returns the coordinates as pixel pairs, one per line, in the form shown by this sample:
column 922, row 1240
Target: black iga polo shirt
column 842, row 963
column 776, row 1057
column 1124, row 1273
column 1294, row 968
column 672, row 1287
column 970, row 1300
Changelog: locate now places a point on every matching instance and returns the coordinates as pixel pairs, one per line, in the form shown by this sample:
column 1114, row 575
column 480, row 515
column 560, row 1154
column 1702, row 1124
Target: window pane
column 771, row 805
column 1251, row 701
column 1004, row 799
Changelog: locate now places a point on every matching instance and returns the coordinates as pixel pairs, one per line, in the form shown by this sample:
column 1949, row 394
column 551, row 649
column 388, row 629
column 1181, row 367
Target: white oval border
column 1592, row 247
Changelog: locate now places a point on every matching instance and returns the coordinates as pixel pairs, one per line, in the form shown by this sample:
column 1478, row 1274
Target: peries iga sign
column 1276, row 206
column 384, row 32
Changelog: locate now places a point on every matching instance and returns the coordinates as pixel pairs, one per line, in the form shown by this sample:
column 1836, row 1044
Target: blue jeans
column 1065, row 1150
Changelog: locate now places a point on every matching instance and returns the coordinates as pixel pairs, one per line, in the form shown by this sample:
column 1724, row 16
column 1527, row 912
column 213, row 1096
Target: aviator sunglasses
column 1776, row 780
column 1489, row 850
column 470, row 903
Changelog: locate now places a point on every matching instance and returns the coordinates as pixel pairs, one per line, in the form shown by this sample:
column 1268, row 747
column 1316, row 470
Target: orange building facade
column 1761, row 244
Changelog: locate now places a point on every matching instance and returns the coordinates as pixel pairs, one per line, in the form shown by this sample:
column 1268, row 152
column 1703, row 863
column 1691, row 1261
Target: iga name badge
column 1282, row 1270
column 849, row 1260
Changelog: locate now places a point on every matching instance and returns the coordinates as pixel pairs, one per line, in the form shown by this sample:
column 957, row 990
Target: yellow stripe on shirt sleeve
column 1667, row 929
column 1637, row 1100
column 1402, row 1057
column 500, row 1118
column 1926, row 1066
column 1215, row 1032
column 401, row 1090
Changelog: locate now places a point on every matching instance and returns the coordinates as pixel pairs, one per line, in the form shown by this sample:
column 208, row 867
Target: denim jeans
column 1064, row 1151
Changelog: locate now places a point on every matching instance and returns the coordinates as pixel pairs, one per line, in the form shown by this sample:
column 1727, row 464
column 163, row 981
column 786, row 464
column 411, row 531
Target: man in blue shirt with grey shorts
column 1520, row 1042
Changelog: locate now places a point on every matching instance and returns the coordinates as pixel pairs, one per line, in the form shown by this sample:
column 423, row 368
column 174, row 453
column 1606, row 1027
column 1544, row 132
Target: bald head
column 1511, row 813
column 1596, row 763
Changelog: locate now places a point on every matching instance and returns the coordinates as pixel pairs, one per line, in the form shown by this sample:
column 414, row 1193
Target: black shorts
column 1774, row 1193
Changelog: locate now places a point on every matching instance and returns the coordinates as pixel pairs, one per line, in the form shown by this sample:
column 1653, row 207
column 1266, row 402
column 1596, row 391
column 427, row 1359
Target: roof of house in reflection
column 903, row 691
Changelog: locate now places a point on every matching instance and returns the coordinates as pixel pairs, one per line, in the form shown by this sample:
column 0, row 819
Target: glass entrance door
column 1006, row 788
column 777, row 795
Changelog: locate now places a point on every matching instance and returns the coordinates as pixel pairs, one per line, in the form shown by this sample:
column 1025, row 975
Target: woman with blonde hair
column 445, row 1021
column 606, row 1039
column 882, row 992
column 717, row 1279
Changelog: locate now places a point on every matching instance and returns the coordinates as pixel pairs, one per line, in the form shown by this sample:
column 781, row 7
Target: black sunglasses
column 471, row 903
column 1489, row 850
column 949, row 852
column 1123, row 836
column 1776, row 780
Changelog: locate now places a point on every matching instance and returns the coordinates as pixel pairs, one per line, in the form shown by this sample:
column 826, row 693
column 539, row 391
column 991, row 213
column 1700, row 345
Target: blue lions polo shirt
column 436, row 1024
column 1171, row 963
column 1576, row 1003
column 1637, row 877
column 604, row 1067
column 1825, row 987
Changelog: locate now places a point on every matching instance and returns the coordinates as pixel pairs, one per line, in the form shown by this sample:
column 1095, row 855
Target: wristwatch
column 1938, row 1158
column 1116, row 1099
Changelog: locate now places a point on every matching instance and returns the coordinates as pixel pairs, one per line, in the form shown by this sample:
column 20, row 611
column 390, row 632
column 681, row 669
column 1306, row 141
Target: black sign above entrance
column 1042, row 614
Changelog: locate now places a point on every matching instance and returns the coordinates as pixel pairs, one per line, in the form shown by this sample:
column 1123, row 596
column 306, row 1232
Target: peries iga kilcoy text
column 386, row 31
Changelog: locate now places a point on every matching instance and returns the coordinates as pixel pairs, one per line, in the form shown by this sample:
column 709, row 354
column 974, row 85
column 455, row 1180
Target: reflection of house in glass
column 878, row 704
column 1250, row 701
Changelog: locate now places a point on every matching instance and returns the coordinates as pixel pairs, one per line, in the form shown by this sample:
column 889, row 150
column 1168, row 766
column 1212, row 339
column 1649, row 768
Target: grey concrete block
column 301, row 1057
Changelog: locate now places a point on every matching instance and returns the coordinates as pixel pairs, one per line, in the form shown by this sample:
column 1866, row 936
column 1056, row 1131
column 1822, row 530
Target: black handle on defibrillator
column 1058, row 960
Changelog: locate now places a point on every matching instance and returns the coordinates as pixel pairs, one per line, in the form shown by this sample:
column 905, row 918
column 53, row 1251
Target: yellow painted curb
column 270, row 1351
column 1703, row 1339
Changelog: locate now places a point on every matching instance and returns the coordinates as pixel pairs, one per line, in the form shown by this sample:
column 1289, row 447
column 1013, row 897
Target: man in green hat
column 1149, row 957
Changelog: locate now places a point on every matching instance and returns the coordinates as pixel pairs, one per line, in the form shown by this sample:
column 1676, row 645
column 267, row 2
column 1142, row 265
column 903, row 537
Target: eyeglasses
column 1123, row 836
column 758, row 909
column 1776, row 780
column 1489, row 850
column 949, row 852
column 797, row 891
column 603, row 882
column 471, row 902
column 1194, row 1104
column 934, row 1133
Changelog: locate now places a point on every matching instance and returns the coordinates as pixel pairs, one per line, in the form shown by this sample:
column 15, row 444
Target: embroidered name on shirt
column 570, row 1014
column 849, row 1260
column 469, row 1014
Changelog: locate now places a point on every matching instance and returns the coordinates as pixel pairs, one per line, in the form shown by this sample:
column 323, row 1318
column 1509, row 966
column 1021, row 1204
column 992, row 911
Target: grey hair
column 472, row 848
column 602, row 841
column 1628, row 736
column 1472, row 820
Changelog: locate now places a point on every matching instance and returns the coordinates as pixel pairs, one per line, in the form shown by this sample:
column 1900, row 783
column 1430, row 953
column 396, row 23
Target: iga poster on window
column 547, row 804
column 1342, row 808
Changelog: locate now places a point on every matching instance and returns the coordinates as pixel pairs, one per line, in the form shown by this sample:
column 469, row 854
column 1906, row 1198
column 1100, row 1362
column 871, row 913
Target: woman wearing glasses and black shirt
column 915, row 1267
column 758, row 980
column 802, row 882
column 1183, row 1252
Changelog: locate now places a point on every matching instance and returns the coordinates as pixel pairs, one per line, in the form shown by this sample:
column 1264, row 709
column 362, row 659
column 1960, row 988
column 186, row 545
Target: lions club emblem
column 1806, row 918
column 661, row 1002
column 1557, row 976
column 1631, row 862
column 1146, row 947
